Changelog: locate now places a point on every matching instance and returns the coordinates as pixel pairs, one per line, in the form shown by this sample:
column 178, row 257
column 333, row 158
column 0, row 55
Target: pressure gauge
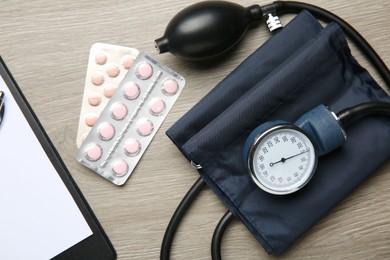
column 282, row 159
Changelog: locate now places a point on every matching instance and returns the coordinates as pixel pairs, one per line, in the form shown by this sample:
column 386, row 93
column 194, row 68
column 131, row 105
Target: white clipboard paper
column 43, row 214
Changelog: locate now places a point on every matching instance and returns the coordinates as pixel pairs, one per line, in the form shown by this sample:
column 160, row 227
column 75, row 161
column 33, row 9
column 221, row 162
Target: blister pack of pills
column 107, row 65
column 130, row 120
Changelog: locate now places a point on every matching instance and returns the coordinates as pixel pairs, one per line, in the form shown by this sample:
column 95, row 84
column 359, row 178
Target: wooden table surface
column 46, row 46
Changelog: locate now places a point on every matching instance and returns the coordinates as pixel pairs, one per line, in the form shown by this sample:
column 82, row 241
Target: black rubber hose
column 351, row 114
column 218, row 234
column 177, row 217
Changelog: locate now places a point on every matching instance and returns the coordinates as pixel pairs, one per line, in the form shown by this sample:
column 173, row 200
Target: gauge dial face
column 282, row 159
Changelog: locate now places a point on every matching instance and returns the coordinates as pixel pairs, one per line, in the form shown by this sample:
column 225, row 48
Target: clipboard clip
column 1, row 106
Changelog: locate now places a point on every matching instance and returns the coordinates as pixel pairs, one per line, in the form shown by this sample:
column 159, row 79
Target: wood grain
column 46, row 46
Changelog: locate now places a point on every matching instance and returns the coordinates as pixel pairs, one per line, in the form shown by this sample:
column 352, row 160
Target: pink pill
column 144, row 70
column 119, row 167
column 93, row 152
column 131, row 90
column 112, row 70
column 100, row 58
column 156, row 106
column 127, row 61
column 132, row 147
column 97, row 79
column 106, row 131
column 118, row 111
column 109, row 90
column 90, row 119
column 144, row 127
column 94, row 99
column 170, row 87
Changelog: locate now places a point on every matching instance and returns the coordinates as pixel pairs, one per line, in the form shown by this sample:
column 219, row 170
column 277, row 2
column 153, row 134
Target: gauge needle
column 285, row 159
column 1, row 105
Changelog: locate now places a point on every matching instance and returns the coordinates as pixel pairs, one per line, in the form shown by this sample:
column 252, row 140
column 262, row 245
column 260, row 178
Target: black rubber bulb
column 207, row 29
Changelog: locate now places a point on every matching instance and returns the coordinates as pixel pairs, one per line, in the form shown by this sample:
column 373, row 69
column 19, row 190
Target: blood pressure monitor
column 281, row 157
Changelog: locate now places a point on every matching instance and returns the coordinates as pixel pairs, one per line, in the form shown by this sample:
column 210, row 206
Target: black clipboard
column 97, row 246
